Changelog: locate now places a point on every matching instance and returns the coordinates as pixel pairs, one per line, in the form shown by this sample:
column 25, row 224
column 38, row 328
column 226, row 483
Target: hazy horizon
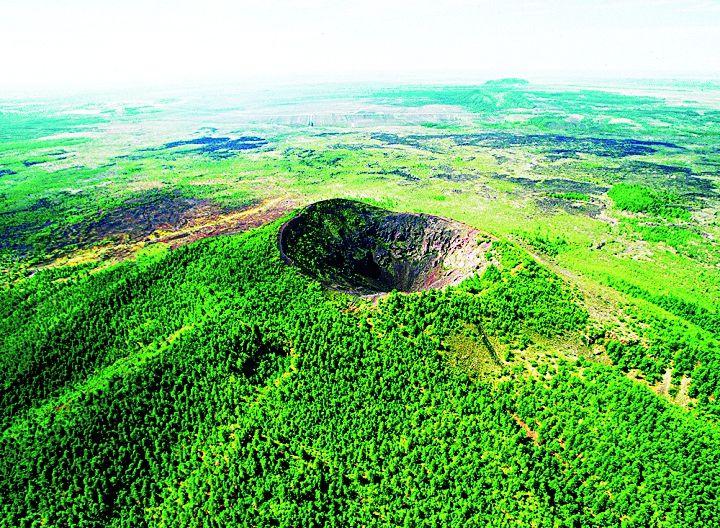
column 80, row 45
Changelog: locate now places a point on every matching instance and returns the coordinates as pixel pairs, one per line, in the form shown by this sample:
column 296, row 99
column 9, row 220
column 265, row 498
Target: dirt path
column 533, row 435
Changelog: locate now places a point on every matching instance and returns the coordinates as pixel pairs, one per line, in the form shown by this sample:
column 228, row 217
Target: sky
column 83, row 44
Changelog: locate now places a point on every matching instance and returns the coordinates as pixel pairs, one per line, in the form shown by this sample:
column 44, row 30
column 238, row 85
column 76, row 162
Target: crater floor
column 359, row 248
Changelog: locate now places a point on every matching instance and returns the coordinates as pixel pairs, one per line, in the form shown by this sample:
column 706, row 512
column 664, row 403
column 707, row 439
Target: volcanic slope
column 215, row 385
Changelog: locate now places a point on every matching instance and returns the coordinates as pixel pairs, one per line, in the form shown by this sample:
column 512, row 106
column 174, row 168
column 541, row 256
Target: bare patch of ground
column 201, row 219
column 471, row 351
column 209, row 225
column 530, row 433
column 138, row 218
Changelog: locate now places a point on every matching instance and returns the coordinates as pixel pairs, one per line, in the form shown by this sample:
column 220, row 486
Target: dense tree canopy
column 216, row 386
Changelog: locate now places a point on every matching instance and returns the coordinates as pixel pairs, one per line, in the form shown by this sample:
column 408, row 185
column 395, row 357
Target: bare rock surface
column 359, row 248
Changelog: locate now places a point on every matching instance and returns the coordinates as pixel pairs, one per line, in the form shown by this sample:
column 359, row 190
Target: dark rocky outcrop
column 355, row 247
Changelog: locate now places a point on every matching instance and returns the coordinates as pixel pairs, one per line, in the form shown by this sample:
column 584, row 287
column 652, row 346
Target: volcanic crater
column 362, row 249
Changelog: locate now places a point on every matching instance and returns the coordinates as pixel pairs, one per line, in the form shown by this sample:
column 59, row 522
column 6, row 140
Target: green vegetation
column 162, row 365
column 674, row 236
column 509, row 296
column 546, row 243
column 210, row 399
column 578, row 196
column 642, row 199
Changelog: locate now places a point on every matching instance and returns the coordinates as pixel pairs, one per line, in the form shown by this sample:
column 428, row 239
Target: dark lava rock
column 359, row 248
column 558, row 185
column 560, row 146
column 219, row 147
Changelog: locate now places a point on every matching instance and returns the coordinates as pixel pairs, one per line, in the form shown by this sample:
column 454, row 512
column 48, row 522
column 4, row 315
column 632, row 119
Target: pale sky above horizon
column 101, row 44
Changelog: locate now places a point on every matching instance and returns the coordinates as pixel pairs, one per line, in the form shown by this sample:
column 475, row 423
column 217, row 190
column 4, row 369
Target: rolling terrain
column 491, row 305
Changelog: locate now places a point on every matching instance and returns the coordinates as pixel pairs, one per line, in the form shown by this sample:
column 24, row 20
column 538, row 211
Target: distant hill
column 508, row 82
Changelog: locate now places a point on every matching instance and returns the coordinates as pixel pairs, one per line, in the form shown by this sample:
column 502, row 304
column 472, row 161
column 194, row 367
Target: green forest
column 214, row 385
column 482, row 305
